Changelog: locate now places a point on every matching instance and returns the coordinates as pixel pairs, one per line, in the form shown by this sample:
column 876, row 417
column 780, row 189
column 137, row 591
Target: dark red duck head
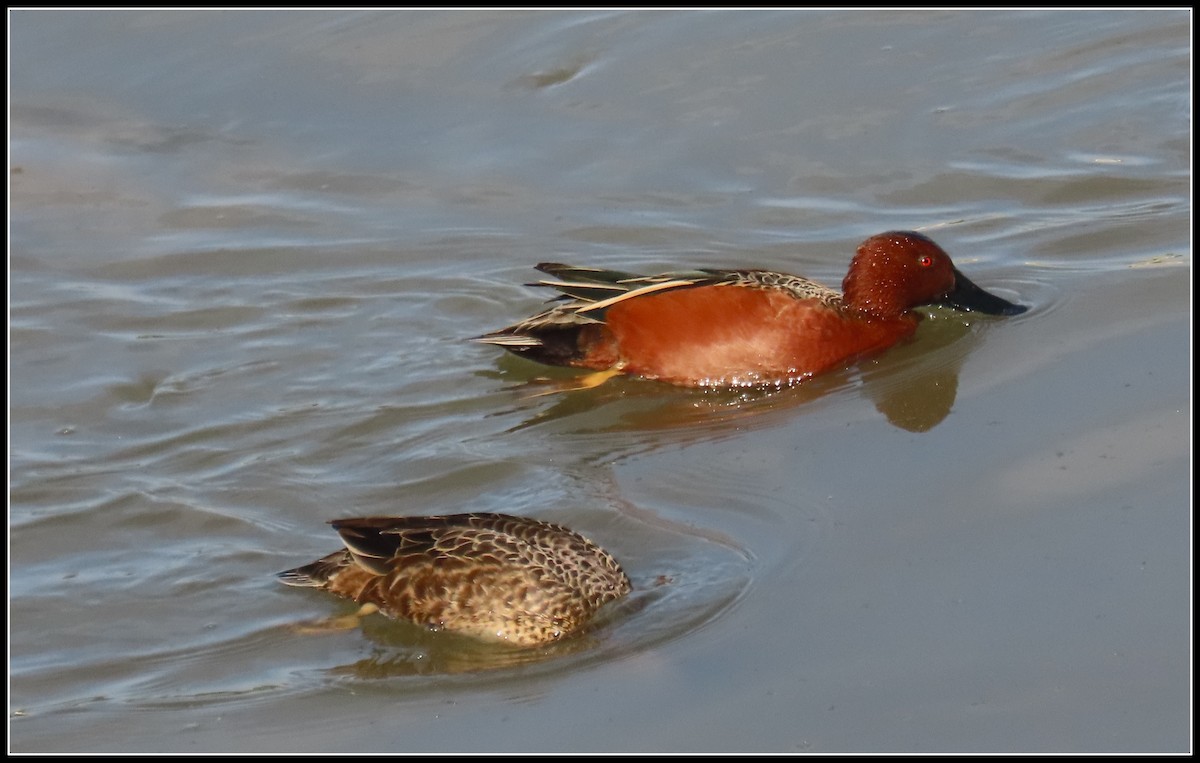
column 894, row 272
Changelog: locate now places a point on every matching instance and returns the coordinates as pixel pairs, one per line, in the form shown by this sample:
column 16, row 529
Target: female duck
column 493, row 576
column 719, row 328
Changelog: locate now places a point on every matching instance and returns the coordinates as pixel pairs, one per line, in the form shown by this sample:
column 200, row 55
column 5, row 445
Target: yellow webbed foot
column 576, row 383
column 334, row 624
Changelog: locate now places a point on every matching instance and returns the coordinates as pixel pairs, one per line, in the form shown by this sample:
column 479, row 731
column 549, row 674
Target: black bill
column 967, row 296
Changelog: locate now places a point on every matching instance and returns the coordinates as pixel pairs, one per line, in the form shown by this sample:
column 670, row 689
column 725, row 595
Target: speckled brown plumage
column 492, row 576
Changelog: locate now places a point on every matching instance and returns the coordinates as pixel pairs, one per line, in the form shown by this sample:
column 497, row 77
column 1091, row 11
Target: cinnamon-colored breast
column 728, row 335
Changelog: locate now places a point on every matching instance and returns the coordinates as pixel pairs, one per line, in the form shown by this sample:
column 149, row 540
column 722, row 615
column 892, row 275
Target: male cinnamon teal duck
column 493, row 576
column 732, row 328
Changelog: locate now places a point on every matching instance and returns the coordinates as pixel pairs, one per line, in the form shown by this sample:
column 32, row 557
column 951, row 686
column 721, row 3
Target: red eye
column 925, row 260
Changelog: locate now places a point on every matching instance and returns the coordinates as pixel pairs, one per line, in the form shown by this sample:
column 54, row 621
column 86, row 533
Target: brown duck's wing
column 594, row 289
column 377, row 542
column 591, row 291
column 585, row 294
column 564, row 553
column 386, row 544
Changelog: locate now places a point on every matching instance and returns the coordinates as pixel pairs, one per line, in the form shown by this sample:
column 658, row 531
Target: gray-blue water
column 246, row 250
